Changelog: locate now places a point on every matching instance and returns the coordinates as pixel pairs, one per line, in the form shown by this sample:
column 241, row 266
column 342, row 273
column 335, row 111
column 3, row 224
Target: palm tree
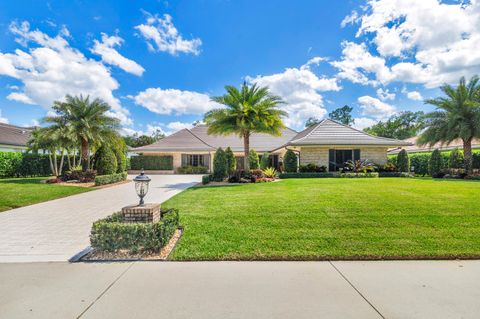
column 248, row 110
column 87, row 122
column 457, row 117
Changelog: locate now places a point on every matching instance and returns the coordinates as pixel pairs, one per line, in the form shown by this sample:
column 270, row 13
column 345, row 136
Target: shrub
column 10, row 163
column 258, row 173
column 189, row 169
column 111, row 234
column 265, row 161
column 231, row 161
column 359, row 175
column 78, row 175
column 161, row 163
column 476, row 160
column 253, row 159
column 456, row 159
column 307, row 175
column 220, row 169
column 359, row 166
column 435, row 164
column 205, row 179
column 105, row 161
column 121, row 161
column 403, row 162
column 394, row 174
column 312, row 168
column 270, row 172
column 388, row 167
column 290, row 161
column 419, row 162
column 110, row 179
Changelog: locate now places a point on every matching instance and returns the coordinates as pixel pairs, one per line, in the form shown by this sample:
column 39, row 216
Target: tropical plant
column 290, row 162
column 253, row 161
column 403, row 162
column 435, row 164
column 49, row 140
column 269, row 172
column 265, row 160
column 231, row 161
column 251, row 109
column 359, row 166
column 457, row 117
column 88, row 123
column 220, row 168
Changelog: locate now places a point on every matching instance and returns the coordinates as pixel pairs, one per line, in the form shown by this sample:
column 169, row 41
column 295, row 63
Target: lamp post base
column 146, row 213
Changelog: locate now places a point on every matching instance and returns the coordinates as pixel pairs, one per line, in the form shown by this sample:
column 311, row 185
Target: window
column 337, row 158
column 195, row 160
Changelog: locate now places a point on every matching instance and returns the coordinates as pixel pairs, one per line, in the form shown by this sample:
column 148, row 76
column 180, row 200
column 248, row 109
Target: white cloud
column 300, row 88
column 375, row 108
column 385, row 95
column 177, row 126
column 162, row 35
column 173, row 101
column 51, row 68
column 415, row 95
column 363, row 122
column 149, row 131
column 106, row 49
column 3, row 119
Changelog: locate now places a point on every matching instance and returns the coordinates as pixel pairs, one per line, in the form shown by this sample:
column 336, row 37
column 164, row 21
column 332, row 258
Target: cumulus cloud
column 177, row 126
column 106, row 49
column 415, row 95
column 300, row 88
column 3, row 119
column 385, row 95
column 162, row 36
column 149, row 131
column 51, row 68
column 363, row 122
column 375, row 108
column 173, row 101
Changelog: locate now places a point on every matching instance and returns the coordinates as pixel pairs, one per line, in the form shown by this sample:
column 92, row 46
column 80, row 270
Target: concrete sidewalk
column 378, row 289
column 59, row 229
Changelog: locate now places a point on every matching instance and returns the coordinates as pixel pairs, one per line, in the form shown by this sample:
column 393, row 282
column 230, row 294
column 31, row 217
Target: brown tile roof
column 14, row 135
column 414, row 148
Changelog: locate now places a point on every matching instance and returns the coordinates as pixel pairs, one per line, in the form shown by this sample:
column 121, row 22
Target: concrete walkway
column 59, row 229
column 379, row 289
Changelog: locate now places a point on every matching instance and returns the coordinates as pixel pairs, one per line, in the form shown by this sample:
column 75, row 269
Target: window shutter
column 331, row 160
column 356, row 155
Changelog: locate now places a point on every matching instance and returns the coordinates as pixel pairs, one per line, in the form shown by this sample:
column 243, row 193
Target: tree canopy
column 400, row 126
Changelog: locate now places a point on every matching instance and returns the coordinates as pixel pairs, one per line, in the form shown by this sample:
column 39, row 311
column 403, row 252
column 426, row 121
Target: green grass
column 328, row 218
column 18, row 192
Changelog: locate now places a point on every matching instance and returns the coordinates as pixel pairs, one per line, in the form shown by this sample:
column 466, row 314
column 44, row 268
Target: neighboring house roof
column 181, row 141
column 414, row 148
column 14, row 135
column 329, row 132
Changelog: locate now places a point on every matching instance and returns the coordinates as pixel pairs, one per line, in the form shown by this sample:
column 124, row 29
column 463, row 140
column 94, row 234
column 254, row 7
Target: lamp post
column 141, row 186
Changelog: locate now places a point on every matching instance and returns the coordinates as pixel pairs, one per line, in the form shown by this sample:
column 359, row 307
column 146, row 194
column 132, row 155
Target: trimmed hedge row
column 111, row 234
column 344, row 175
column 163, row 163
column 358, row 175
column 110, row 179
column 16, row 164
column 192, row 169
column 306, row 175
column 394, row 174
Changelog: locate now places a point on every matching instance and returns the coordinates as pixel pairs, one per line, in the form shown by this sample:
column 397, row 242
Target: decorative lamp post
column 141, row 186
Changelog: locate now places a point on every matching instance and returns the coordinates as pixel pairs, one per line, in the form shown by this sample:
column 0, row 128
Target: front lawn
column 330, row 218
column 18, row 192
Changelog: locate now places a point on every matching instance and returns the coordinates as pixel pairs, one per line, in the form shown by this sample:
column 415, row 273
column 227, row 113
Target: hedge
column 16, row 164
column 394, row 174
column 105, row 161
column 110, row 179
column 358, row 175
column 306, row 175
column 111, row 234
column 188, row 169
column 152, row 162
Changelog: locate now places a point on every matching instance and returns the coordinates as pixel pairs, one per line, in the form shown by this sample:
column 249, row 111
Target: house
column 327, row 143
column 14, row 138
column 414, row 148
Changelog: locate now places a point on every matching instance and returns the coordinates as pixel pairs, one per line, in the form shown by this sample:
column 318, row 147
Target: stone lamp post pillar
column 141, row 213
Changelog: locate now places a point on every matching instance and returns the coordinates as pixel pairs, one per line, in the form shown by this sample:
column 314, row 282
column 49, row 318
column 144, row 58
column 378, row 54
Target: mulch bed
column 125, row 255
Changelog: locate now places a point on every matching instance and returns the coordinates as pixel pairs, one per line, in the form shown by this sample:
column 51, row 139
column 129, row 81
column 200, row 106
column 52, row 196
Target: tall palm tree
column 248, row 110
column 87, row 122
column 457, row 117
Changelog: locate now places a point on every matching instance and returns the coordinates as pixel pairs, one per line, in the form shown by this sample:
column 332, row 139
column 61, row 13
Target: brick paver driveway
column 58, row 230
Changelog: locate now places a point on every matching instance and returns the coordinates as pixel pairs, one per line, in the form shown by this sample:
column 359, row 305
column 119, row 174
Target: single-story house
column 414, row 148
column 14, row 138
column 327, row 143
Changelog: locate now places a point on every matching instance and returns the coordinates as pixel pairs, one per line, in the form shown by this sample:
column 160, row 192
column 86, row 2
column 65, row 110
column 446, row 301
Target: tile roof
column 414, row 148
column 329, row 132
column 14, row 135
column 183, row 140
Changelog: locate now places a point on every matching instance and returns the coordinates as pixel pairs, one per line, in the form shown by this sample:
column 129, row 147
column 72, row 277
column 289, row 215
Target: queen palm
column 457, row 117
column 87, row 122
column 252, row 109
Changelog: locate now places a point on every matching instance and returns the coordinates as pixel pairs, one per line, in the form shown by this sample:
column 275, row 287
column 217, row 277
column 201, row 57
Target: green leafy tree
column 435, row 164
column 403, row 162
column 342, row 115
column 88, row 122
column 231, row 161
column 290, row 161
column 220, row 165
column 265, row 161
column 400, row 126
column 253, row 160
column 105, row 161
column 251, row 109
column 311, row 121
column 456, row 159
column 457, row 117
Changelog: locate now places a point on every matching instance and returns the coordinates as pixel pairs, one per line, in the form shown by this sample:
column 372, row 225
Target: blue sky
column 158, row 62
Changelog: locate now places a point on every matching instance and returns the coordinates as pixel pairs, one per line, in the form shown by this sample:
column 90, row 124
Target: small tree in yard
column 220, row 165
column 265, row 161
column 231, row 161
column 435, row 164
column 105, row 161
column 253, row 159
column 403, row 162
column 456, row 159
column 290, row 162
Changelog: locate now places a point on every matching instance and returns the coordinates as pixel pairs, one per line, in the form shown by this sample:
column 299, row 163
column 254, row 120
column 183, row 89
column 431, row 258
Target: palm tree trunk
column 467, row 153
column 51, row 163
column 61, row 162
column 246, row 150
column 85, row 155
column 55, row 163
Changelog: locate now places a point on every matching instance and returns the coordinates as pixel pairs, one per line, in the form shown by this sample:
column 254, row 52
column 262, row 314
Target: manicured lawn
column 18, row 192
column 330, row 218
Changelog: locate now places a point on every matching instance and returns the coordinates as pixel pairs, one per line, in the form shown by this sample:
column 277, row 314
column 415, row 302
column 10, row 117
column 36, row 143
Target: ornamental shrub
column 105, row 161
column 161, row 163
column 189, row 169
column 220, row 165
column 10, row 163
column 253, row 159
column 307, row 175
column 110, row 179
column 290, row 162
column 435, row 164
column 419, row 162
column 476, row 160
column 265, row 161
column 205, row 179
column 312, row 168
column 456, row 159
column 121, row 161
column 403, row 162
column 231, row 161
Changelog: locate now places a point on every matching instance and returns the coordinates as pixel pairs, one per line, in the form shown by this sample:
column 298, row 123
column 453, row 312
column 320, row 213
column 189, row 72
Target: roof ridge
column 308, row 134
column 199, row 138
